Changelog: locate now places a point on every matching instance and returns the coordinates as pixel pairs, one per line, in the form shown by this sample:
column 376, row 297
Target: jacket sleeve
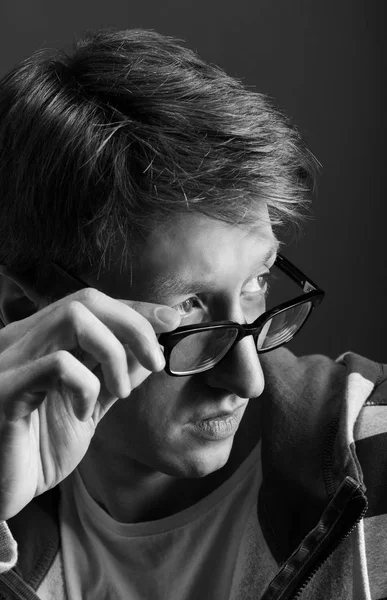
column 8, row 548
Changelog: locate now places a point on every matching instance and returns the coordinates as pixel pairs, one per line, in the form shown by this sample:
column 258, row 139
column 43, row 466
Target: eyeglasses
column 196, row 348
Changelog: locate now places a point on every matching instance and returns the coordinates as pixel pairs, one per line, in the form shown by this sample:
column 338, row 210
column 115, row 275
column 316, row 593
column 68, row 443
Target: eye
column 258, row 284
column 188, row 307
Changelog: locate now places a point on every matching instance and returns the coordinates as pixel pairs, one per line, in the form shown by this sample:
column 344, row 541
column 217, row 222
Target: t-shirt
column 198, row 553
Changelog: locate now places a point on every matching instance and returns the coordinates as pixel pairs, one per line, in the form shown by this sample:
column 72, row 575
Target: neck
column 135, row 494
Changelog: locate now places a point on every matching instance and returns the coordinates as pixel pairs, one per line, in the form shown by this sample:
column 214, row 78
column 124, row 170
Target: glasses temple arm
column 298, row 276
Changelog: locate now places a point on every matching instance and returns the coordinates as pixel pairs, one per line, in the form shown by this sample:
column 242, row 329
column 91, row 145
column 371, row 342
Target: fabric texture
column 321, row 505
column 8, row 548
column 197, row 549
column 53, row 586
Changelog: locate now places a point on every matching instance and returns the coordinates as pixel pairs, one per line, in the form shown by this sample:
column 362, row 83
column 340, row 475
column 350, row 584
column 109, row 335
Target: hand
column 61, row 369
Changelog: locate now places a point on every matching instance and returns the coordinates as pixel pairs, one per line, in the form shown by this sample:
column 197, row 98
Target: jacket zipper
column 330, row 488
column 335, row 546
column 339, row 519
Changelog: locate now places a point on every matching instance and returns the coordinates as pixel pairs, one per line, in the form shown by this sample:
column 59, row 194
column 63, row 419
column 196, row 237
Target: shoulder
column 352, row 377
column 316, row 402
column 370, row 436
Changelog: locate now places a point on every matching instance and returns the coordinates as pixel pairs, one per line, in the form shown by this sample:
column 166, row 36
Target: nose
column 239, row 372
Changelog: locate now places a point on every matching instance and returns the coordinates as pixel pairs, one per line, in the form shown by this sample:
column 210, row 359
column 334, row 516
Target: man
column 141, row 193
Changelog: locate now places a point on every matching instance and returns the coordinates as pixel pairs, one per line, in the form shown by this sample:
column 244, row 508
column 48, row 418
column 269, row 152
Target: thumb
column 162, row 318
column 167, row 318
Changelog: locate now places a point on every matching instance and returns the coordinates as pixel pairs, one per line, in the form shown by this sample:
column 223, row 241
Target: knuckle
column 74, row 311
column 60, row 362
column 89, row 296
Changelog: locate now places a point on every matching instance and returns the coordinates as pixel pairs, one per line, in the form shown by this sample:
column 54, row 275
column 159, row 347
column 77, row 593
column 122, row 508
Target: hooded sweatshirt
column 317, row 528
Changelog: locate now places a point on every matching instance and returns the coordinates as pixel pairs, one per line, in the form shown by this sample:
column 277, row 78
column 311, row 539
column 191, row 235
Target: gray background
column 325, row 63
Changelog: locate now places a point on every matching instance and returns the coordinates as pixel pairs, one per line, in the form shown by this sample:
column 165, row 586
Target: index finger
column 133, row 322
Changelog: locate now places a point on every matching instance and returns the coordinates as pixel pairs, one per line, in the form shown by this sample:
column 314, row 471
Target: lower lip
column 219, row 428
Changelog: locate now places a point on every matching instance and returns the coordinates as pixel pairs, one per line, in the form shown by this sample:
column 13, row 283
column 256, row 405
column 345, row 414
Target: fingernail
column 166, row 315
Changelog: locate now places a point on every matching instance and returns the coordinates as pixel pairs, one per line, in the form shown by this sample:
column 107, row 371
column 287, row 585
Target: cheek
column 148, row 428
column 155, row 411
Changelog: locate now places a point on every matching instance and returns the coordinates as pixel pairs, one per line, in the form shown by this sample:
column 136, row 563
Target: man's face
column 208, row 270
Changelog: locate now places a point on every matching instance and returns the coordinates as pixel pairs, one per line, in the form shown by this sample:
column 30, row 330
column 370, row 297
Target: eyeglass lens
column 202, row 350
column 283, row 326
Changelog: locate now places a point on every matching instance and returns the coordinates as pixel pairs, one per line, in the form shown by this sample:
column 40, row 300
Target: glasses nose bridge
column 245, row 330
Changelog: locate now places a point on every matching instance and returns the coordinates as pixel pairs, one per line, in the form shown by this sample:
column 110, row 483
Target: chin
column 200, row 461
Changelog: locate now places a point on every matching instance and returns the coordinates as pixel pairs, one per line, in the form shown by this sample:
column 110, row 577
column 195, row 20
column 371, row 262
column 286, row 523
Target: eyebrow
column 171, row 285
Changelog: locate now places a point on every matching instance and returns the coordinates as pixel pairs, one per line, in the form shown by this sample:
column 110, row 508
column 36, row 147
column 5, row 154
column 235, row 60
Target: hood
column 308, row 414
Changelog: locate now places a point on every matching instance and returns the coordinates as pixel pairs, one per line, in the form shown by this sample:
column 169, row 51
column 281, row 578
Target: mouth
column 218, row 426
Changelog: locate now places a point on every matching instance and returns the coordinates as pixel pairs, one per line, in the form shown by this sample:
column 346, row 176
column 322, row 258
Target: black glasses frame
column 312, row 293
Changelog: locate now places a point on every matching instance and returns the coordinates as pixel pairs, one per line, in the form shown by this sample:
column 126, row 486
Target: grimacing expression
column 207, row 270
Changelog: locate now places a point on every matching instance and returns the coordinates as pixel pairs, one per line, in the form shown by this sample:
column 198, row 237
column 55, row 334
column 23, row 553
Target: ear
column 18, row 299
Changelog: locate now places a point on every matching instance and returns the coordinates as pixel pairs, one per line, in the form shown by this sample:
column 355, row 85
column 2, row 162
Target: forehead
column 194, row 251
column 190, row 252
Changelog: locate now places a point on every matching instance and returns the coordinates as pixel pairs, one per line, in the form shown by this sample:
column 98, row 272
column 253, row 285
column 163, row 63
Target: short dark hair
column 132, row 127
